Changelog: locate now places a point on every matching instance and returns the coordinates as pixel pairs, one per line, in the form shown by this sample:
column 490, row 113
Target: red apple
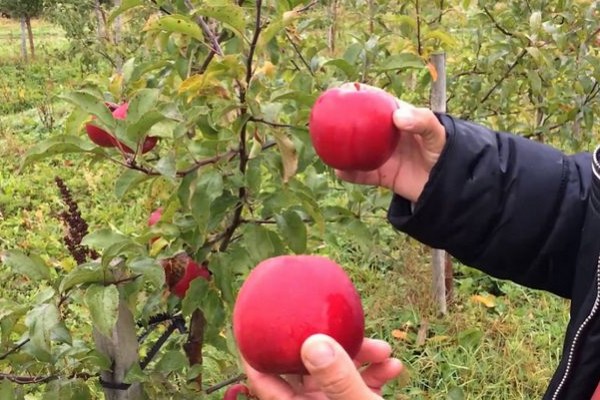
column 99, row 135
column 180, row 271
column 352, row 128
column 149, row 141
column 155, row 216
column 285, row 300
column 233, row 392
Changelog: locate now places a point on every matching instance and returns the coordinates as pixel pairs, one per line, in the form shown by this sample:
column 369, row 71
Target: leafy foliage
column 227, row 87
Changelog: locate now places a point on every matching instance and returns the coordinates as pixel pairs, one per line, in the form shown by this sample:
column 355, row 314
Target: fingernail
column 320, row 354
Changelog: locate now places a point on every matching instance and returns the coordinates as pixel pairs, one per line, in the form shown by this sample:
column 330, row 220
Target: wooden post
column 23, row 39
column 441, row 263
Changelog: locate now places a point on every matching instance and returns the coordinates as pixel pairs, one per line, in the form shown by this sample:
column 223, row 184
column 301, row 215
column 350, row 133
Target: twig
column 15, row 349
column 273, row 124
column 226, row 382
column 213, row 41
column 419, row 44
column 299, row 53
column 496, row 24
column 503, row 78
column 239, row 208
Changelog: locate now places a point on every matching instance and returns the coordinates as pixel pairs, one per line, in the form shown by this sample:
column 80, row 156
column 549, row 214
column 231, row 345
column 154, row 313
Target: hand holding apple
column 421, row 139
column 333, row 374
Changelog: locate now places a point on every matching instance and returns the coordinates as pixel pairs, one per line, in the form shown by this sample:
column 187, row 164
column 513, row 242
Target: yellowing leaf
column 289, row 155
column 268, row 69
column 432, row 71
column 398, row 334
column 487, row 300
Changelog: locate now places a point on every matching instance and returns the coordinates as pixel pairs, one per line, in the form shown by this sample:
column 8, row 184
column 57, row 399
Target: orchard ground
column 498, row 341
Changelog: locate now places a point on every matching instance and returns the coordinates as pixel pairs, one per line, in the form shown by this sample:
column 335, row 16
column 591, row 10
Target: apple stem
column 357, row 85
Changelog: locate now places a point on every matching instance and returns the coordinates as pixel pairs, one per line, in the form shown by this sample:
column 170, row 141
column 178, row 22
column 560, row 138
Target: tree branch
column 299, row 53
column 496, row 24
column 503, row 78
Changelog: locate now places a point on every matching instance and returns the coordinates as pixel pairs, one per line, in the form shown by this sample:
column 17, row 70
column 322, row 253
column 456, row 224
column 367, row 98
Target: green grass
column 505, row 351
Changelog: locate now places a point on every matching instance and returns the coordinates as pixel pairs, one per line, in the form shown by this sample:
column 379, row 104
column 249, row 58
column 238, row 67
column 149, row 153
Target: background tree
column 24, row 10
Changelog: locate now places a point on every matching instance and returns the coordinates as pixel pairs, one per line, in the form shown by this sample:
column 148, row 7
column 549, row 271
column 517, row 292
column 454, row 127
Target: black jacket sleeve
column 506, row 205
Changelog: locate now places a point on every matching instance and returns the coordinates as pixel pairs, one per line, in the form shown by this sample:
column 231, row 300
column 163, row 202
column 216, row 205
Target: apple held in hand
column 285, row 300
column 352, row 128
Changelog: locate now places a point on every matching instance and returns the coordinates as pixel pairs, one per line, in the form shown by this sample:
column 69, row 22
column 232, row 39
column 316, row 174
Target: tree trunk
column 30, row 34
column 332, row 31
column 100, row 30
column 122, row 348
column 23, row 39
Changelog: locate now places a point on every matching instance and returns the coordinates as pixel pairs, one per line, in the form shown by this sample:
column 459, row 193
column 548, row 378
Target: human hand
column 422, row 138
column 333, row 375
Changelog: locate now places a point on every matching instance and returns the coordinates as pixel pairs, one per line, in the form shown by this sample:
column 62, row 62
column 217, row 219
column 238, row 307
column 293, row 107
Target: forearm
column 506, row 205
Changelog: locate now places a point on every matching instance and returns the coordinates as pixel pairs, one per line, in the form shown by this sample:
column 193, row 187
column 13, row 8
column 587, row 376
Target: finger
column 422, row 122
column 267, row 387
column 333, row 371
column 377, row 375
column 373, row 351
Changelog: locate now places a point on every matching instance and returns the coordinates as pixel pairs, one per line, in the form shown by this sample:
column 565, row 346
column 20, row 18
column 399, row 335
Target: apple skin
column 149, row 141
column 285, row 300
column 155, row 216
column 193, row 270
column 353, row 128
column 98, row 135
column 233, row 391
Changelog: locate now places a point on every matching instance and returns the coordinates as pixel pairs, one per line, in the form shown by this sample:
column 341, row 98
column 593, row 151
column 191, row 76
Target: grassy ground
column 499, row 341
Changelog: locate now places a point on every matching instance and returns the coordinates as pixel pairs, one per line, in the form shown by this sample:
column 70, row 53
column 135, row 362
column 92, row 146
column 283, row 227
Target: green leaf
column 92, row 105
column 348, row 69
column 151, row 271
column 195, row 295
column 103, row 303
column 32, row 266
column 171, row 361
column 124, row 6
column 73, row 389
column 167, row 166
column 128, row 180
column 177, row 23
column 142, row 103
column 75, row 120
column 135, row 374
column 229, row 13
column 275, row 27
column 260, row 244
column 41, row 321
column 294, row 231
column 104, row 238
column 7, row 390
column 402, row 61
column 58, row 145
column 82, row 274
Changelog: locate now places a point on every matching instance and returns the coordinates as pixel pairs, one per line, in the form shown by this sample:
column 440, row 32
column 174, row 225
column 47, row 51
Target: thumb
column 333, row 371
column 422, row 122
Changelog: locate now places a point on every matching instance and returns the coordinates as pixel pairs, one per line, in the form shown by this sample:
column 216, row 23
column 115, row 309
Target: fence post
column 440, row 260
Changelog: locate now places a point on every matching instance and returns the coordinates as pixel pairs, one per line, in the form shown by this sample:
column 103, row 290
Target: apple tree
column 224, row 89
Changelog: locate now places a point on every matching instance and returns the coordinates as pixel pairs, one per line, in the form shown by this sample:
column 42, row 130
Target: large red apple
column 285, row 300
column 352, row 128
column 98, row 135
column 149, row 141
